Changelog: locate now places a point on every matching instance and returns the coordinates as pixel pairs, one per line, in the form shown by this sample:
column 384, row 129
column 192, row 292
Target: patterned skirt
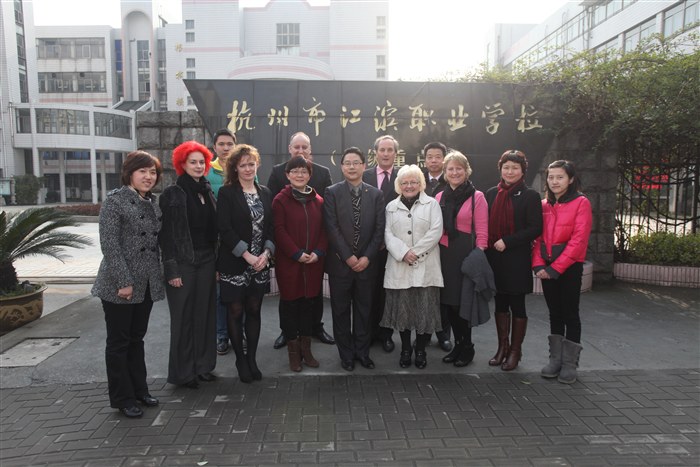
column 417, row 308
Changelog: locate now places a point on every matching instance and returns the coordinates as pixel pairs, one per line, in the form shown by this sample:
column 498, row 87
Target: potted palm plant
column 31, row 232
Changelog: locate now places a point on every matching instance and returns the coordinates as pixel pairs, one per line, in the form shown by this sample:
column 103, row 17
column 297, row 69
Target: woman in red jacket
column 557, row 259
column 301, row 247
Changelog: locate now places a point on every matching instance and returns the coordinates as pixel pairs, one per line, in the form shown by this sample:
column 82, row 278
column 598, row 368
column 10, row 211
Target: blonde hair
column 459, row 158
column 409, row 171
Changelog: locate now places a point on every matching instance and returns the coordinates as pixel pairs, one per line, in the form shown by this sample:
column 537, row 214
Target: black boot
column 454, row 353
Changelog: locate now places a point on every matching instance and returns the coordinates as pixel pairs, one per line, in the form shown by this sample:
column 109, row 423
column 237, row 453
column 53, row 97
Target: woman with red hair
column 188, row 241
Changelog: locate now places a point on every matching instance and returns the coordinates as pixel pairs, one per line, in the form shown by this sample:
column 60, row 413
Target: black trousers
column 514, row 303
column 350, row 302
column 296, row 317
column 124, row 355
column 379, row 299
column 193, row 319
column 563, row 296
column 316, row 315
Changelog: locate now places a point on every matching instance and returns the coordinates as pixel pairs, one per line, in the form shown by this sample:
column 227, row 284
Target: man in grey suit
column 383, row 177
column 353, row 213
column 300, row 145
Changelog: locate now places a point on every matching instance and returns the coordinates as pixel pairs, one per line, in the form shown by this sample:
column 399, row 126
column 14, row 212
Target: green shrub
column 666, row 249
column 27, row 189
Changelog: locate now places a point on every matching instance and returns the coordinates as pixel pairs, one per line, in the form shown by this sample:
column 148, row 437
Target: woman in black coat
column 515, row 221
column 247, row 232
column 188, row 241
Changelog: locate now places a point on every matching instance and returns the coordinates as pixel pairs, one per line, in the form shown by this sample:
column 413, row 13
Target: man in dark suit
column 433, row 155
column 353, row 213
column 300, row 145
column 383, row 177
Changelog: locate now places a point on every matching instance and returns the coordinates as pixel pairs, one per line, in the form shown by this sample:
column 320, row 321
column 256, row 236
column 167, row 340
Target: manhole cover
column 31, row 352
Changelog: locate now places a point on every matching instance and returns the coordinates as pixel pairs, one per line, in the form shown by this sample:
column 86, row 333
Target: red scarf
column 501, row 218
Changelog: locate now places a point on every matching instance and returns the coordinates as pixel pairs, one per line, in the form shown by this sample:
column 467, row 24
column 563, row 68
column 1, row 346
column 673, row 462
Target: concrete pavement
column 637, row 400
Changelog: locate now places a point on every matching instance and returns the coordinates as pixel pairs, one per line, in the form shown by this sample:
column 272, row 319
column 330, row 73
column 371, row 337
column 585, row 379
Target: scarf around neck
column 450, row 204
column 501, row 217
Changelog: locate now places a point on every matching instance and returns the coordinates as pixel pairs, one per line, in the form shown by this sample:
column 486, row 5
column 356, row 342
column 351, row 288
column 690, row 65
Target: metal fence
column 656, row 194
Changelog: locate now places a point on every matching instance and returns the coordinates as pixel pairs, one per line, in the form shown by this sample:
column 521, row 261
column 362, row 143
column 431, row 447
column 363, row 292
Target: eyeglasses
column 411, row 183
column 352, row 163
column 296, row 172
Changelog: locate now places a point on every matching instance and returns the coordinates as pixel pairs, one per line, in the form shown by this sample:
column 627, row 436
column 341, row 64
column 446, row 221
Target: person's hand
column 313, row 258
column 351, row 262
column 543, row 274
column 262, row 262
column 500, row 245
column 410, row 257
column 177, row 282
column 361, row 264
column 126, row 292
column 304, row 258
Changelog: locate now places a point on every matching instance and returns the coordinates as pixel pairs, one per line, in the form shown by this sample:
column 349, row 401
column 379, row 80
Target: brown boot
column 516, row 343
column 294, row 354
column 306, row 354
column 502, row 328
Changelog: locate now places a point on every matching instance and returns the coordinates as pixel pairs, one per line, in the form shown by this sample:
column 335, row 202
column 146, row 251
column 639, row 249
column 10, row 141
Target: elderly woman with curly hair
column 188, row 241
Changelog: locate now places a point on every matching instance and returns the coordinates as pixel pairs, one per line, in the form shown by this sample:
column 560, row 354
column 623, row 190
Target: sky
column 427, row 38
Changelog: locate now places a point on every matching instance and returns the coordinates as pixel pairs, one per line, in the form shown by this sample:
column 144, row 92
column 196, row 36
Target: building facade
column 68, row 97
column 597, row 25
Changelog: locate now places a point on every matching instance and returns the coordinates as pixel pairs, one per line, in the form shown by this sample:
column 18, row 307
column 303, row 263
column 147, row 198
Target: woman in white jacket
column 413, row 275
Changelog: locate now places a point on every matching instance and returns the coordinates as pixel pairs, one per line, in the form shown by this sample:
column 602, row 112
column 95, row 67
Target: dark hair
column 570, row 170
column 513, row 155
column 239, row 152
column 138, row 160
column 299, row 162
column 181, row 153
column 435, row 145
column 224, row 132
column 353, row 150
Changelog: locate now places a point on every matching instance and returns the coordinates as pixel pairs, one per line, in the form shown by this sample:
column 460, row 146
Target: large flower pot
column 19, row 310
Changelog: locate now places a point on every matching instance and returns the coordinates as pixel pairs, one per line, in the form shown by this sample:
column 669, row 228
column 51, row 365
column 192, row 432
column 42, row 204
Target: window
column 24, row 123
column 191, row 75
column 381, row 73
column 62, row 121
column 21, row 52
column 67, row 48
column 189, row 100
column 189, row 24
column 639, row 34
column 19, row 14
column 692, row 11
column 190, row 63
column 673, row 20
column 72, row 82
column 381, row 60
column 288, row 40
column 381, row 27
column 189, row 37
column 115, row 126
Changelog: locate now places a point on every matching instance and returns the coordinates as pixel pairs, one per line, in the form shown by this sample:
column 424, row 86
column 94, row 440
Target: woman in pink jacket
column 557, row 259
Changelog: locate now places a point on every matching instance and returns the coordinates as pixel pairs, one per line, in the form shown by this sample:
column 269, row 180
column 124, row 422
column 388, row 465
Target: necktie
column 385, row 181
column 433, row 184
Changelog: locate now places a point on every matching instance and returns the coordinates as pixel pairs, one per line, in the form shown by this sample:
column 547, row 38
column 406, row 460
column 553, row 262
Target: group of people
column 417, row 251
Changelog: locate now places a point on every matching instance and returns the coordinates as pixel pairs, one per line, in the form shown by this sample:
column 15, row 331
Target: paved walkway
column 637, row 401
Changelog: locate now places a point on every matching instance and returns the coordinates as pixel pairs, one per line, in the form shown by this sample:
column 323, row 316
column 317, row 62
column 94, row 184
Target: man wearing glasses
column 353, row 213
column 300, row 145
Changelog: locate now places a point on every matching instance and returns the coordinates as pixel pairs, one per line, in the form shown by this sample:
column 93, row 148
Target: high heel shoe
column 243, row 370
column 255, row 372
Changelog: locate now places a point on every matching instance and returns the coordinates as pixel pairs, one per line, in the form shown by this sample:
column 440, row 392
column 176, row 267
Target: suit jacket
column 337, row 217
column 236, row 227
column 369, row 176
column 320, row 179
column 441, row 184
